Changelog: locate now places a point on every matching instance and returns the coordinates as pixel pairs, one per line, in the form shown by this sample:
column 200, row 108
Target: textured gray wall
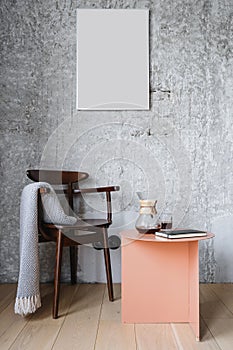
column 181, row 149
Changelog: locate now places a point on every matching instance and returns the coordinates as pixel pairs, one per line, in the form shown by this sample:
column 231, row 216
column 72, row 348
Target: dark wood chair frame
column 64, row 235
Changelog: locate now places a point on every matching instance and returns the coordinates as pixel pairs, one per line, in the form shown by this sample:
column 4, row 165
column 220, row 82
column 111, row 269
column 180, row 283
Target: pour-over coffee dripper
column 147, row 221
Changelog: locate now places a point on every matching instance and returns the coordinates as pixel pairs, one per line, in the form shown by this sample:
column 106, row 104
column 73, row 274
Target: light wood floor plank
column 210, row 304
column 222, row 330
column 42, row 330
column 225, row 293
column 11, row 324
column 112, row 334
column 185, row 338
column 7, row 293
column 155, row 336
column 81, row 324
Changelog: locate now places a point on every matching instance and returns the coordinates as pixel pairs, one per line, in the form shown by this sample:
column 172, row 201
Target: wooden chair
column 67, row 182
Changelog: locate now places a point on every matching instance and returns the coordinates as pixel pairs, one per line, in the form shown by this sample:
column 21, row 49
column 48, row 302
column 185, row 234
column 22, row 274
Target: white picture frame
column 112, row 59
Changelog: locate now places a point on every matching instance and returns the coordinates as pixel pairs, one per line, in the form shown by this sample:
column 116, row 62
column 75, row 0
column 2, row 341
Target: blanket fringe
column 27, row 305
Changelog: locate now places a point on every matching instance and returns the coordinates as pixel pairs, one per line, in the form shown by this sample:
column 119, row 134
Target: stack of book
column 185, row 233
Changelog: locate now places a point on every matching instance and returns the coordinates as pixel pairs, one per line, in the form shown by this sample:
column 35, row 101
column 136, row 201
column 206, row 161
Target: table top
column 133, row 234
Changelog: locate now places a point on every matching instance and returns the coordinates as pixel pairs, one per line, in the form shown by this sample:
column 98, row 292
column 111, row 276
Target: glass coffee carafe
column 147, row 221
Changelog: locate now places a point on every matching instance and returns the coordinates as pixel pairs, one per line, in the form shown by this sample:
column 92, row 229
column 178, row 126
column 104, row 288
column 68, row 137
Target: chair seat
column 82, row 224
column 97, row 222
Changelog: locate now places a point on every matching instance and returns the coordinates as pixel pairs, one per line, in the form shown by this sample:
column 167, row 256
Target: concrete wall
column 181, row 150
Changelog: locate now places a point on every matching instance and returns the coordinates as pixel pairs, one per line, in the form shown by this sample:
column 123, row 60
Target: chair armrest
column 96, row 189
column 107, row 190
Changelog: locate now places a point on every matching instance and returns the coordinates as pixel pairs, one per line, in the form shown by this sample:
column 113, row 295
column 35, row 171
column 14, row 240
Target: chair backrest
column 56, row 177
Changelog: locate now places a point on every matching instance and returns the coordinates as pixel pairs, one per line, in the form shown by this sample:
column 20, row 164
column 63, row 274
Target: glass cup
column 165, row 221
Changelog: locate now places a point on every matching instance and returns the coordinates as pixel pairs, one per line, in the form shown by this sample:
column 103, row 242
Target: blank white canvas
column 112, row 59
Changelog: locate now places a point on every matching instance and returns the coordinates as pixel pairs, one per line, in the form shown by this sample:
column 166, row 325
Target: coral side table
column 160, row 279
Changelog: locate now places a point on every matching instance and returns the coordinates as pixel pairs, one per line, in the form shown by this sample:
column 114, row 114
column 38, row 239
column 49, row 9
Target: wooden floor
column 89, row 321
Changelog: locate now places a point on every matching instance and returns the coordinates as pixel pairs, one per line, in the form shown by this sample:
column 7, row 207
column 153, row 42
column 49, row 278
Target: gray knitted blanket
column 28, row 293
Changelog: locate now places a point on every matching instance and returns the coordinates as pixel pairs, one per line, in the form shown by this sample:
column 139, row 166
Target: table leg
column 194, row 318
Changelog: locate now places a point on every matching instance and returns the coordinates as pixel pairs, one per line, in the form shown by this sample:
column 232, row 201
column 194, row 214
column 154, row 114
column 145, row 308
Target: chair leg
column 108, row 265
column 57, row 274
column 73, row 263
